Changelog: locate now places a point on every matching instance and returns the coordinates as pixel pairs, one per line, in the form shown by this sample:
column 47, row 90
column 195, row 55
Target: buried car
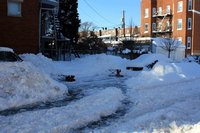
column 8, row 55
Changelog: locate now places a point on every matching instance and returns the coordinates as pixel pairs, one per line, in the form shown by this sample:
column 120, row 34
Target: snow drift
column 21, row 84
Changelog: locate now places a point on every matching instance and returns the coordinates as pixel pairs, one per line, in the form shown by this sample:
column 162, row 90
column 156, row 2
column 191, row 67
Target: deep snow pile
column 83, row 67
column 164, row 73
column 21, row 84
column 64, row 119
column 146, row 59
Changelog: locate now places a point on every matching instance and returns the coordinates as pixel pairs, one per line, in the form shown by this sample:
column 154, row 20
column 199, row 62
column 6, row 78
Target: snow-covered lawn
column 163, row 99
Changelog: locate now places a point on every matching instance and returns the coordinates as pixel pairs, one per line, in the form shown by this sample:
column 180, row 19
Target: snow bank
column 164, row 73
column 147, row 59
column 64, row 119
column 84, row 67
column 21, row 84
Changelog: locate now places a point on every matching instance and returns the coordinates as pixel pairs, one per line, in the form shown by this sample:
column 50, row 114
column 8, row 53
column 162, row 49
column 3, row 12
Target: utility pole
column 123, row 23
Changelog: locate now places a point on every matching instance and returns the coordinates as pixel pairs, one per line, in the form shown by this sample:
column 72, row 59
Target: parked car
column 8, row 55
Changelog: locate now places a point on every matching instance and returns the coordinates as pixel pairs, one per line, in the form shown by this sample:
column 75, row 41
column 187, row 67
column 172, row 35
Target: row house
column 116, row 35
column 31, row 26
column 177, row 19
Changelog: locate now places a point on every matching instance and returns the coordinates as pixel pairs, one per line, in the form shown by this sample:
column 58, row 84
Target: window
column 180, row 6
column 189, row 23
column 146, row 27
column 154, row 27
column 168, row 10
column 146, row 13
column 189, row 5
column 179, row 24
column 160, row 11
column 154, row 11
column 14, row 8
column 188, row 42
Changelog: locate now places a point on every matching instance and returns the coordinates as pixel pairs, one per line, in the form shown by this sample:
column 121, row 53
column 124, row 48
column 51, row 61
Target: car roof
column 6, row 49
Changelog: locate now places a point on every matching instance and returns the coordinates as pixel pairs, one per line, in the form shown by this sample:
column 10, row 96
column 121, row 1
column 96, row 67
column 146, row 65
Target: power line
column 88, row 15
column 98, row 12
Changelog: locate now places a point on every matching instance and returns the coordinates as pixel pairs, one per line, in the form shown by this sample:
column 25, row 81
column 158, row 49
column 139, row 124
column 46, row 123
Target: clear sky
column 108, row 13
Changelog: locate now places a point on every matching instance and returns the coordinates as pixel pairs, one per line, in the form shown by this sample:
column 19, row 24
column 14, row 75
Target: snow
column 126, row 51
column 90, row 65
column 22, row 84
column 64, row 119
column 162, row 99
column 163, row 73
column 6, row 49
column 146, row 59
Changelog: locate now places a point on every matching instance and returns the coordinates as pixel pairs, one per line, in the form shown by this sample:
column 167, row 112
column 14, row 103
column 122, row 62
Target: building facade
column 177, row 19
column 30, row 26
column 117, row 35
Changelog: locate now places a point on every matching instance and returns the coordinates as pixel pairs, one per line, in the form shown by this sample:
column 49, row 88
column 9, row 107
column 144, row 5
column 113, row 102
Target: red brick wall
column 184, row 15
column 196, row 27
column 146, row 4
column 20, row 33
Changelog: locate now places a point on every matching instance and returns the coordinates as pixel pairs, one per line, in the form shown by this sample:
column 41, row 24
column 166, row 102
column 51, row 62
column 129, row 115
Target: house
column 178, row 19
column 31, row 26
column 115, row 36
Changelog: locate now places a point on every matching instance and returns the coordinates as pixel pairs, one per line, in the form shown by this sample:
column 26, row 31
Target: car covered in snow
column 8, row 55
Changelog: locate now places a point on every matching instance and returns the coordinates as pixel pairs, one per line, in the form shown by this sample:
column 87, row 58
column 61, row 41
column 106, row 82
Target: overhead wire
column 98, row 13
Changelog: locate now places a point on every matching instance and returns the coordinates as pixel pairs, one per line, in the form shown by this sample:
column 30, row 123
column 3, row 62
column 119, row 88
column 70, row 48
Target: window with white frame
column 189, row 5
column 153, row 26
column 179, row 24
column 180, row 6
column 14, row 8
column 189, row 23
column 146, row 27
column 168, row 9
column 189, row 42
column 160, row 11
column 154, row 11
column 146, row 13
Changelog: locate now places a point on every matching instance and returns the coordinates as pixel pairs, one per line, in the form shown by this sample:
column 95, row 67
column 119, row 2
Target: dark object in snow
column 118, row 73
column 135, row 68
column 8, row 55
column 150, row 66
column 70, row 78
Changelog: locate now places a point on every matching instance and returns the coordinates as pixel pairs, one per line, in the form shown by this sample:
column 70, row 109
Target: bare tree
column 169, row 45
column 86, row 28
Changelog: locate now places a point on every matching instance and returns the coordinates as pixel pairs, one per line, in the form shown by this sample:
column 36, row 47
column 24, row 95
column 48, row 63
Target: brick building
column 177, row 19
column 28, row 26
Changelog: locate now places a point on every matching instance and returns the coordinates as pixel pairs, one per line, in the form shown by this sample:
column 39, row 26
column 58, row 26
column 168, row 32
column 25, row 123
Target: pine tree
column 69, row 19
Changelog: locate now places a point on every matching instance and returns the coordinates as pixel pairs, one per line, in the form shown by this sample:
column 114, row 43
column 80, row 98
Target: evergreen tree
column 69, row 19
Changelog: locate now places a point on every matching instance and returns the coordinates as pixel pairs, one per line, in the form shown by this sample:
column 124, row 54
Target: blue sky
column 108, row 13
